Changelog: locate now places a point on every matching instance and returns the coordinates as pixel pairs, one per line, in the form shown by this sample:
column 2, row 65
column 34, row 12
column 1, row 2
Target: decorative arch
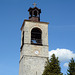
column 36, row 36
column 35, row 13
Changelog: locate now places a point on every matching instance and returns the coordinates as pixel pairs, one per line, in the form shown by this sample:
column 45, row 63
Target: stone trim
column 31, row 44
column 31, row 21
column 31, row 56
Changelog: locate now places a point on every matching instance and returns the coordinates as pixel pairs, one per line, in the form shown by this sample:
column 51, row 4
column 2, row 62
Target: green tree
column 71, row 67
column 52, row 66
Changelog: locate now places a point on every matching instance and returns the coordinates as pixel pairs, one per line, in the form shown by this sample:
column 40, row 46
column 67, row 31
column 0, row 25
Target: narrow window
column 36, row 35
column 23, row 38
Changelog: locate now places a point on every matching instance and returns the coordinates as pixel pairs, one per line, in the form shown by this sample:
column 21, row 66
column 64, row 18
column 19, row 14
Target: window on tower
column 35, row 13
column 23, row 38
column 30, row 13
column 36, row 35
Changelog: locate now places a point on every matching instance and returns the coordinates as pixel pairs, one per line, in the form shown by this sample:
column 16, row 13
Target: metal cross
column 34, row 4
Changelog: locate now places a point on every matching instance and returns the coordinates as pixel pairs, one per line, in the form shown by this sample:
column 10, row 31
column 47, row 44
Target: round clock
column 36, row 52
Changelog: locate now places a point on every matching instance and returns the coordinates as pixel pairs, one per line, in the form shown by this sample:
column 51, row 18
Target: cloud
column 65, row 64
column 62, row 54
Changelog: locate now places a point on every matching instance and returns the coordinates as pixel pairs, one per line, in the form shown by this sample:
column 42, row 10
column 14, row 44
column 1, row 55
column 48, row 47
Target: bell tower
column 34, row 14
column 34, row 44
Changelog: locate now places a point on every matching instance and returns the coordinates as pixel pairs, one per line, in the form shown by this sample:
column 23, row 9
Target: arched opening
column 30, row 13
column 35, row 13
column 36, row 36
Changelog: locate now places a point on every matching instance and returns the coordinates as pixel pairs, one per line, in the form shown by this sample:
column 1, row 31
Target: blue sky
column 59, row 13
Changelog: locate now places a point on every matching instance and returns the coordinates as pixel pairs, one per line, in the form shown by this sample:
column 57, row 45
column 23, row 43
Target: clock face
column 36, row 52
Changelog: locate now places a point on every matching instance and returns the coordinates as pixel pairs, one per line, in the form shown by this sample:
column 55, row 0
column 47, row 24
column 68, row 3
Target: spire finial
column 34, row 4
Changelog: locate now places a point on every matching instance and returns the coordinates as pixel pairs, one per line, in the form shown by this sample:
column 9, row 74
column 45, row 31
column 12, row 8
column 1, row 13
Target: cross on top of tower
column 34, row 4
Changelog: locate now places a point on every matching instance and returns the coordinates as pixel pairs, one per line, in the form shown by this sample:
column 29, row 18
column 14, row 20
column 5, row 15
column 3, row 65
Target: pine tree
column 52, row 66
column 71, row 67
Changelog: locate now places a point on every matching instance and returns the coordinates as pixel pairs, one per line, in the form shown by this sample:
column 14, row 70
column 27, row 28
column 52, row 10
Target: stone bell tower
column 34, row 44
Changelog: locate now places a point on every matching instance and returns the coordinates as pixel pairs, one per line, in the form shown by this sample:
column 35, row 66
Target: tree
column 52, row 66
column 71, row 67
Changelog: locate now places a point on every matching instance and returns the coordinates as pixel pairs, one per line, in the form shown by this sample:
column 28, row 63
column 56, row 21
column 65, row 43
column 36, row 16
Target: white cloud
column 63, row 54
column 65, row 64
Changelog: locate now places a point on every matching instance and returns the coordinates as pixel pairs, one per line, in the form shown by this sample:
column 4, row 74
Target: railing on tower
column 36, row 41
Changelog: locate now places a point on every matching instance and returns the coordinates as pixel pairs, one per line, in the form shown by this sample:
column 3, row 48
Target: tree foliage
column 71, row 67
column 52, row 66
